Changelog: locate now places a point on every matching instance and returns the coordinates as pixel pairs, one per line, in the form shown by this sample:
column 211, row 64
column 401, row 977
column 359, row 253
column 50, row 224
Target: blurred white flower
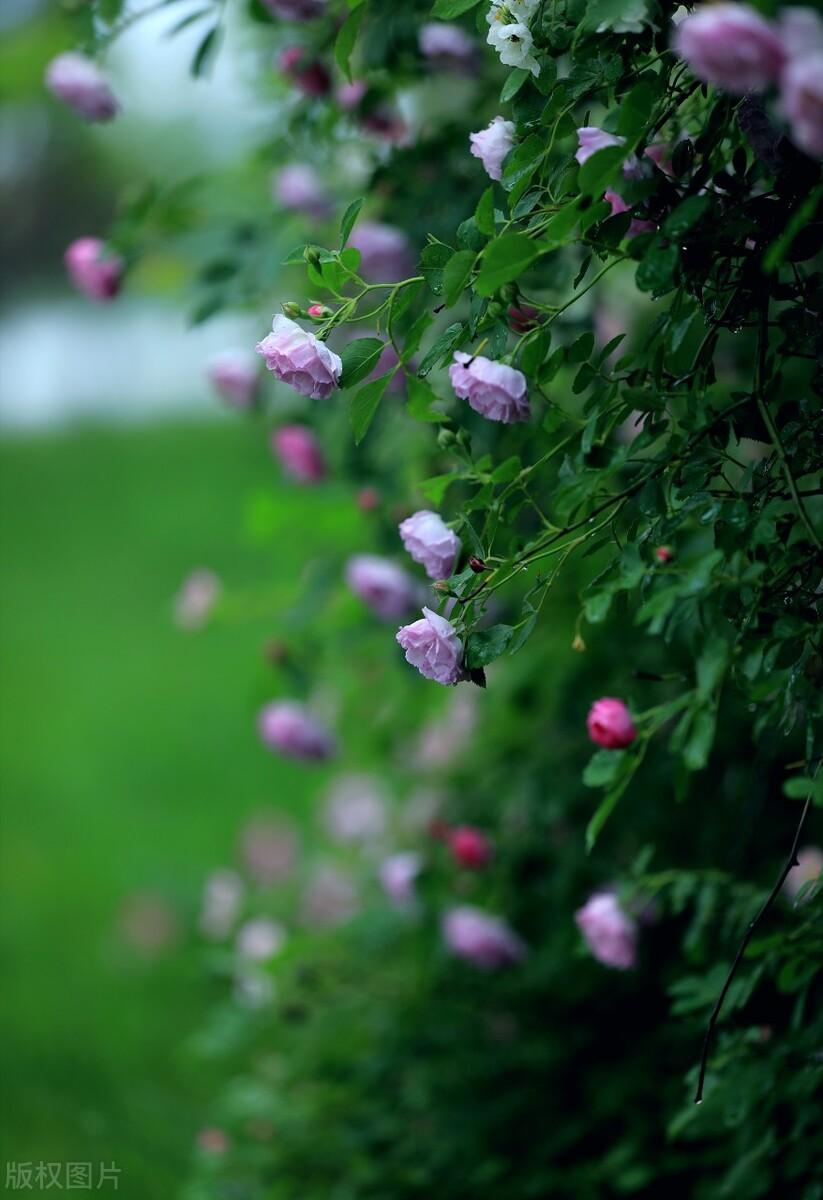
column 222, row 901
column 509, row 33
column 260, row 939
column 330, row 898
column 197, row 597
column 356, row 809
column 268, row 849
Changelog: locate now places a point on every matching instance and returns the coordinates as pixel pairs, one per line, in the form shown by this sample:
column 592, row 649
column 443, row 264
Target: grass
column 128, row 760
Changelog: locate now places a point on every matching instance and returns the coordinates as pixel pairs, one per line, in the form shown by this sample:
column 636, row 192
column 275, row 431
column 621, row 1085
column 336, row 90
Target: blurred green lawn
column 128, row 759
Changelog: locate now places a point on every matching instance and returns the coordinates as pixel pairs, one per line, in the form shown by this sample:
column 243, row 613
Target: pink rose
column 619, row 205
column 93, row 272
column 431, row 543
column 482, row 939
column 469, row 847
column 492, row 389
column 731, row 46
column 447, row 46
column 492, row 144
column 297, row 358
column 297, row 188
column 80, row 84
column 385, row 252
column 349, row 95
column 522, row 317
column 296, row 10
column 801, row 32
column 432, row 646
column 387, row 589
column 801, row 102
column 809, row 867
column 235, row 376
column 309, row 75
column 289, row 729
column 355, row 809
column 397, row 876
column 590, row 139
column 610, row 724
column 299, row 453
column 610, row 934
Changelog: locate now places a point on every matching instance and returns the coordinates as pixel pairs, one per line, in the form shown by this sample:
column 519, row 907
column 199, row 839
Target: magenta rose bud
column 296, row 10
column 297, row 188
column 469, row 847
column 431, row 543
column 296, row 357
column 299, row 453
column 287, row 728
column 610, row 934
column 801, row 102
column 619, row 205
column 380, row 583
column 610, row 724
column 235, row 376
column 522, row 317
column 447, row 47
column 664, row 554
column 432, row 646
column 481, row 939
column 93, row 272
column 731, row 46
column 385, row 252
column 309, row 75
column 81, row 85
column 492, row 389
column 492, row 144
column 397, row 876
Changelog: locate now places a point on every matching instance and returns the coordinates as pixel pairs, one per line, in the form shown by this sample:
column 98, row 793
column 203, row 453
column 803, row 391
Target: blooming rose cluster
column 510, row 35
column 740, row 51
column 431, row 543
column 492, row 144
column 298, row 358
column 432, row 645
column 610, row 934
column 493, row 389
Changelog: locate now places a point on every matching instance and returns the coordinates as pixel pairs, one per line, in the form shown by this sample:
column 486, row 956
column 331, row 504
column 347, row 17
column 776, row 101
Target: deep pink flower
column 397, row 876
column 663, row 554
column 81, row 85
column 298, row 188
column 385, row 252
column 610, row 724
column 289, row 729
column 432, row 646
column 448, row 46
column 309, row 75
column 469, row 847
column 299, row 453
column 731, row 46
column 610, row 934
column 387, row 589
column 522, row 317
column 92, row 270
column 494, row 390
column 492, row 144
column 619, row 205
column 801, row 102
column 235, row 376
column 431, row 543
column 297, row 358
column 296, row 10
column 484, row 940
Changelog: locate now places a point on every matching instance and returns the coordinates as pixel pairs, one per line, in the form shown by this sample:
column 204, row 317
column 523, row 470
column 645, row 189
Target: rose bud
column 610, row 934
column 297, row 358
column 287, row 728
column 81, row 85
column 397, row 876
column 432, row 646
column 385, row 252
column 492, row 389
column 477, row 564
column 610, row 724
column 310, row 76
column 522, row 317
column 299, row 453
column 492, row 144
column 731, row 46
column 368, row 498
column 481, row 939
column 469, row 847
column 387, row 589
column 319, row 312
column 292, row 310
column 430, row 542
column 664, row 554
column 235, row 376
column 93, row 272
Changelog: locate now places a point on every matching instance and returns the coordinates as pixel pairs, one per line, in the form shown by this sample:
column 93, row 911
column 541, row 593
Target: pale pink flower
column 355, row 809
column 619, row 205
column 81, row 85
column 442, row 738
column 268, row 849
column 590, row 139
column 299, row 453
column 610, row 934
column 432, row 646
column 260, row 939
column 296, row 357
column 298, row 188
column 235, row 376
column 398, row 874
column 387, row 589
column 289, row 729
column 430, row 542
column 809, row 867
column 330, row 898
column 801, row 102
column 447, row 46
column 194, row 603
column 731, row 46
column 385, row 252
column 610, row 724
column 94, row 271
column 222, row 901
column 496, row 391
column 492, row 144
column 349, row 95
column 296, row 10
column 486, row 941
column 801, row 32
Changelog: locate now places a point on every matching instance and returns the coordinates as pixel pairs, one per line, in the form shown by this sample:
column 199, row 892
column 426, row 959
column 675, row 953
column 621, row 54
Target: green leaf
column 456, row 275
column 432, row 261
column 359, row 359
column 524, row 160
column 448, row 340
column 685, row 215
column 434, row 489
column 513, row 84
column 364, row 404
column 656, row 270
column 603, row 811
column 777, row 251
column 711, row 665
column 801, row 786
column 421, row 397
column 617, row 16
column 561, row 225
column 635, row 109
column 484, row 213
column 486, row 645
column 205, row 52
column 504, row 260
column 600, row 168
column 345, row 40
column 349, row 217
column 446, row 9
column 603, row 768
